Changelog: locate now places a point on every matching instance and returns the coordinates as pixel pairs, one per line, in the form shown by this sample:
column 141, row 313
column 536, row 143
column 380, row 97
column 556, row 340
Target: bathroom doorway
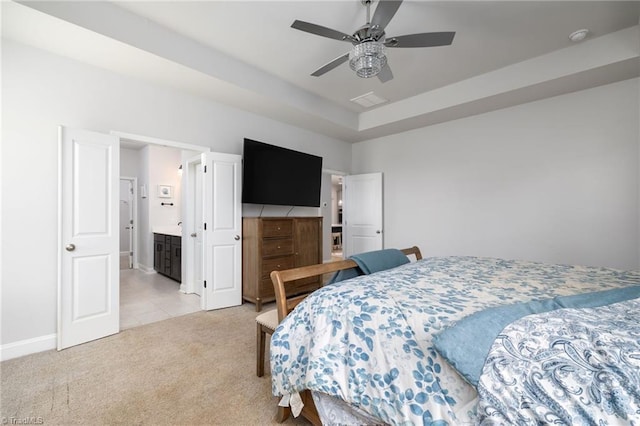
column 128, row 210
column 336, row 217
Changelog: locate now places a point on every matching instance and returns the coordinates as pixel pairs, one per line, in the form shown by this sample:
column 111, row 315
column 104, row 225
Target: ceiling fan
column 367, row 57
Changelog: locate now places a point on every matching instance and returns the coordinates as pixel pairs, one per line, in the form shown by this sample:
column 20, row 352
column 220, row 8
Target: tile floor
column 147, row 298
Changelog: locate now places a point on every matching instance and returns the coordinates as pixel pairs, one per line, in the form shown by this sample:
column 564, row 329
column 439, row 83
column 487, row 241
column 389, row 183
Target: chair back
column 286, row 303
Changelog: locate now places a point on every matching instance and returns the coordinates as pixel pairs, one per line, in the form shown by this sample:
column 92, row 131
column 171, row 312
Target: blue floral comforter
column 569, row 367
column 367, row 340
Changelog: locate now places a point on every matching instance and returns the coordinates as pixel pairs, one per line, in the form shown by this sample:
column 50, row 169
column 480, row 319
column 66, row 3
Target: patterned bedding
column 569, row 366
column 367, row 340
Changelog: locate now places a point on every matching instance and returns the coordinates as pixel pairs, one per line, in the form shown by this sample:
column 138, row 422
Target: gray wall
column 554, row 180
column 41, row 91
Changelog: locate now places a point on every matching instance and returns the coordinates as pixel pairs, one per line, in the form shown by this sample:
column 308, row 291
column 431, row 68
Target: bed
column 365, row 347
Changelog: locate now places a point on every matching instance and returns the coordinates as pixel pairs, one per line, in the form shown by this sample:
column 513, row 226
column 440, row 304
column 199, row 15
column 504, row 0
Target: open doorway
column 96, row 207
column 148, row 294
column 336, row 217
column 128, row 210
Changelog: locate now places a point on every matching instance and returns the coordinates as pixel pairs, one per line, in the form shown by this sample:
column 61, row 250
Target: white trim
column 188, row 253
column 28, row 346
column 158, row 141
column 59, row 248
column 146, row 269
column 334, row 172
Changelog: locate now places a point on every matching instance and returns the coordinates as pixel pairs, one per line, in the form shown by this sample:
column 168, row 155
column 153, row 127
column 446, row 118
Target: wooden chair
column 267, row 323
column 285, row 304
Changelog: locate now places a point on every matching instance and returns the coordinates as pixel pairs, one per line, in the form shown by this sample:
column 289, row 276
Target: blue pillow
column 370, row 262
column 345, row 274
column 379, row 260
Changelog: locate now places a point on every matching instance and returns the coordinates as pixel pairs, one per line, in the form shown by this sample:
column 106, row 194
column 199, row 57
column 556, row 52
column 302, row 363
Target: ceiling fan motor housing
column 367, row 58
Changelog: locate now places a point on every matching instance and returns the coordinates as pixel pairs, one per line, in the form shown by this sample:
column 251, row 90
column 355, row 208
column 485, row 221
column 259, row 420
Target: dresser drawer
column 277, row 228
column 277, row 264
column 266, row 288
column 278, row 247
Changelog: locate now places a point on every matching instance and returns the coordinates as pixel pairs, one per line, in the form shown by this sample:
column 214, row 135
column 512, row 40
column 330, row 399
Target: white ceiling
column 245, row 54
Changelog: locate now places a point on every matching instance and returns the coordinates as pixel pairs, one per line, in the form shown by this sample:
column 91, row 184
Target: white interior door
column 194, row 221
column 222, row 214
column 88, row 252
column 362, row 213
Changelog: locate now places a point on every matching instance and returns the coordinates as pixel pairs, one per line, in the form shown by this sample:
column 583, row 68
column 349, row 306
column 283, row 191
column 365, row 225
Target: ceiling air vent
column 368, row 100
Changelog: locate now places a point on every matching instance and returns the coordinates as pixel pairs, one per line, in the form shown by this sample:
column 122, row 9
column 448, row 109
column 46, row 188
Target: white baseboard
column 28, row 346
column 145, row 268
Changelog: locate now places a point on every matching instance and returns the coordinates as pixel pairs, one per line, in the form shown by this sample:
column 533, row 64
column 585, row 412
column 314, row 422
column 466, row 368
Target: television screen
column 280, row 176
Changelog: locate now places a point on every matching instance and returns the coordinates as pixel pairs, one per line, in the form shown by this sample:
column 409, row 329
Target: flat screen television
column 280, row 176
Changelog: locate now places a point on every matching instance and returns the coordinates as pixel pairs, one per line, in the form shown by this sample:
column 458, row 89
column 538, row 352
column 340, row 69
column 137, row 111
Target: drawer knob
column 278, row 246
column 278, row 266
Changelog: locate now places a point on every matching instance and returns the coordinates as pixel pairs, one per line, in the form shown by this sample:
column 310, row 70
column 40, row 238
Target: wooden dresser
column 277, row 243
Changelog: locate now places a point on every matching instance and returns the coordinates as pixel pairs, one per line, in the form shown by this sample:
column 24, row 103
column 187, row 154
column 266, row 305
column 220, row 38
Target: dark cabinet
column 176, row 258
column 167, row 257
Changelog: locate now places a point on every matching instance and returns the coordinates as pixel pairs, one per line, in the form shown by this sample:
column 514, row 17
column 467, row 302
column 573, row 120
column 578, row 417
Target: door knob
column 70, row 247
column 237, row 237
column 378, row 231
column 193, row 234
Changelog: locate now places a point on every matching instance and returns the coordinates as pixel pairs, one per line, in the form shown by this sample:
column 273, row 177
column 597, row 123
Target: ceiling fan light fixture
column 367, row 58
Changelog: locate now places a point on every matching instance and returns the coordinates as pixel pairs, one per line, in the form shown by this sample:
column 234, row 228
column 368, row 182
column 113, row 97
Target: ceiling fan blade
column 320, row 30
column 385, row 74
column 331, row 65
column 384, row 12
column 421, row 40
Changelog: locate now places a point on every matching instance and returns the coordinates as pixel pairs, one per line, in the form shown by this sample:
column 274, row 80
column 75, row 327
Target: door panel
column 222, row 234
column 308, row 231
column 199, row 231
column 362, row 207
column 88, row 236
column 223, row 276
column 193, row 275
column 90, row 301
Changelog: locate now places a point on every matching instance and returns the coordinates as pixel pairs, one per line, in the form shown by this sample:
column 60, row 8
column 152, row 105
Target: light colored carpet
column 196, row 369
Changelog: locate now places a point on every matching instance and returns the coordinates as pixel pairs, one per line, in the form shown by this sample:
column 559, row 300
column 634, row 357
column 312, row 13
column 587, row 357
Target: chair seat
column 267, row 323
column 268, row 319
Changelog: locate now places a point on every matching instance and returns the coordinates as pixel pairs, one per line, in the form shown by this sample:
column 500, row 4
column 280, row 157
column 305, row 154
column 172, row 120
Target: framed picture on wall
column 165, row 191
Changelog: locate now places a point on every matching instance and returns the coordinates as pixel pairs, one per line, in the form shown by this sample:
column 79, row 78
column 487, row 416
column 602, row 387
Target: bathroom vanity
column 167, row 257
